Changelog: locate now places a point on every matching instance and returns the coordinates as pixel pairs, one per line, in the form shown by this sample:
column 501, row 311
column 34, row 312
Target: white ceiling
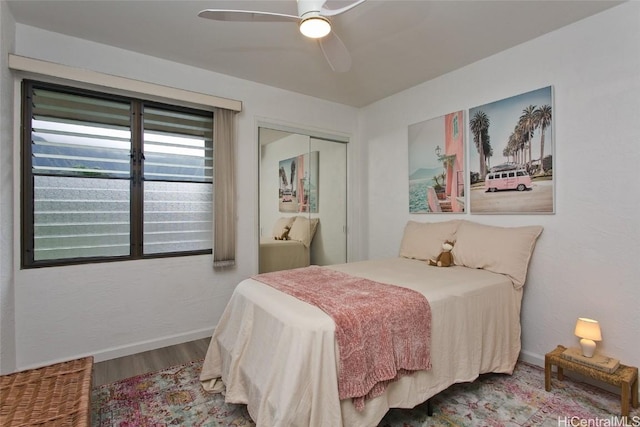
column 394, row 44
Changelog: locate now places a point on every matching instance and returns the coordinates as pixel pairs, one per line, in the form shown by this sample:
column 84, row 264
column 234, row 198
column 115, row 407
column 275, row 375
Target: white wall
column 113, row 309
column 7, row 318
column 586, row 261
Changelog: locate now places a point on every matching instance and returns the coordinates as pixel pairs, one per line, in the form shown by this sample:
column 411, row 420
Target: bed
column 276, row 255
column 279, row 356
column 289, row 245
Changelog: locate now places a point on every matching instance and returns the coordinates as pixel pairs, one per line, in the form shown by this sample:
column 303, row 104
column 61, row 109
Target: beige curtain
column 224, row 189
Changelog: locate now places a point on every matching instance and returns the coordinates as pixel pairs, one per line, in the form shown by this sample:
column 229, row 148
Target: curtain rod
column 52, row 69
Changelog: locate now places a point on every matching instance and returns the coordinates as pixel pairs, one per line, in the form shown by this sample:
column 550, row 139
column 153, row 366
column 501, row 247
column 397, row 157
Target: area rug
column 174, row 397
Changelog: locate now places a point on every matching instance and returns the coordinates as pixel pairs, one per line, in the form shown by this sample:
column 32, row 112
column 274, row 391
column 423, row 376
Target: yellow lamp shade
column 589, row 332
column 588, row 329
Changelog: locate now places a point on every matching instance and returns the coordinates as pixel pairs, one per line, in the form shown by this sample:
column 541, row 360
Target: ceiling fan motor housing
column 307, row 6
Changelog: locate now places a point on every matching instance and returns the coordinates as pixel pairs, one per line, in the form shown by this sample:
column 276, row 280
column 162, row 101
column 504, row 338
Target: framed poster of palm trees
column 298, row 183
column 436, row 165
column 511, row 155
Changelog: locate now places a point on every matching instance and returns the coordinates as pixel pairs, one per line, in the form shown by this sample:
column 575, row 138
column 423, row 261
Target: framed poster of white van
column 510, row 154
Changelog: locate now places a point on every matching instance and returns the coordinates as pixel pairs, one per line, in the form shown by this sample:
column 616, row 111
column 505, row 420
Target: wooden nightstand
column 625, row 377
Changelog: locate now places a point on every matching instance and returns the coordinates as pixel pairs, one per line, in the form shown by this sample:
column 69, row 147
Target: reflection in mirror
column 303, row 200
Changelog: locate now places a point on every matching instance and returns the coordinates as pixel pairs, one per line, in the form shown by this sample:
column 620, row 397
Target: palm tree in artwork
column 294, row 182
column 488, row 149
column 479, row 125
column 507, row 151
column 283, row 177
column 542, row 120
column 528, row 125
column 521, row 139
column 511, row 149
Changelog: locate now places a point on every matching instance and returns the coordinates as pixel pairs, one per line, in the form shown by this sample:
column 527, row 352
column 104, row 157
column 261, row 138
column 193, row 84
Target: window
column 111, row 178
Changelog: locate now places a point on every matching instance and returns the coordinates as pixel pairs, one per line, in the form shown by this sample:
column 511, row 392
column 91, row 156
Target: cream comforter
column 278, row 255
column 278, row 354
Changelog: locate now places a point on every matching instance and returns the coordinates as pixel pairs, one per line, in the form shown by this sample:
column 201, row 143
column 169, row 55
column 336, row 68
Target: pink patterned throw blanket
column 383, row 331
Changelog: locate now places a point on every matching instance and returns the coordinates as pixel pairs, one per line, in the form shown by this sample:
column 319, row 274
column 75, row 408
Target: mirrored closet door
column 303, row 200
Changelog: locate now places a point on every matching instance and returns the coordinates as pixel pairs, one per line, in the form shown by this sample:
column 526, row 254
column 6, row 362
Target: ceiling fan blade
column 336, row 53
column 245, row 16
column 334, row 12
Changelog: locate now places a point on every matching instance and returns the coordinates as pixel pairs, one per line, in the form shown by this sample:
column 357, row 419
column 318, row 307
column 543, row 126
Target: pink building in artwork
column 454, row 137
column 453, row 164
column 302, row 203
column 454, row 146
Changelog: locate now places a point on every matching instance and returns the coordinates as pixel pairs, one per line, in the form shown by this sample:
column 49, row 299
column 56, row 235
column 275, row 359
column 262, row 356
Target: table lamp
column 589, row 332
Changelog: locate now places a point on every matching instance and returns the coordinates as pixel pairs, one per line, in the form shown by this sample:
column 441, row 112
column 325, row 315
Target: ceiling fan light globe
column 315, row 27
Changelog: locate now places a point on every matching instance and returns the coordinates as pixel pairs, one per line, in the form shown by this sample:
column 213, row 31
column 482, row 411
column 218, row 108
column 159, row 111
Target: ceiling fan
column 313, row 20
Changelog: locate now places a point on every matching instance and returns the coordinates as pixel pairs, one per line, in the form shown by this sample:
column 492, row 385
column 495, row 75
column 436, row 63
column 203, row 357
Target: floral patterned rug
column 173, row 397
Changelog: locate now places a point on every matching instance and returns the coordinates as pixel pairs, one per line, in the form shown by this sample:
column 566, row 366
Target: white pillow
column 423, row 240
column 303, row 229
column 504, row 250
column 281, row 226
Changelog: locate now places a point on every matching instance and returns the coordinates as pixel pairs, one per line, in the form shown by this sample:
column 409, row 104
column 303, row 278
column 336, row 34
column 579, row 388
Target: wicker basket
column 56, row 395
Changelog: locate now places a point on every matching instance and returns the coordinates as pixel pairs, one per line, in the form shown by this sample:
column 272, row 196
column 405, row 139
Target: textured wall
column 586, row 261
column 7, row 317
column 113, row 309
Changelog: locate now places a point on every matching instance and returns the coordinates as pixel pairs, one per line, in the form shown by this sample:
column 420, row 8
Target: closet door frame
column 336, row 227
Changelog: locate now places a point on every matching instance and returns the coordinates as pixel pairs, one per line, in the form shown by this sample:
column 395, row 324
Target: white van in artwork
column 517, row 179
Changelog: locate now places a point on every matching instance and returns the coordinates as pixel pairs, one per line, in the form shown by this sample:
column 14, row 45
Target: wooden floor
column 150, row 361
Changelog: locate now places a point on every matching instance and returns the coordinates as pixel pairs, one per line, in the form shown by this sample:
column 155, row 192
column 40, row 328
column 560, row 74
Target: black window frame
column 136, row 178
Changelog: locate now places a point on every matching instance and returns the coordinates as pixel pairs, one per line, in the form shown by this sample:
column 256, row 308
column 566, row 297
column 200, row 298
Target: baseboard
column 532, row 358
column 129, row 349
column 139, row 347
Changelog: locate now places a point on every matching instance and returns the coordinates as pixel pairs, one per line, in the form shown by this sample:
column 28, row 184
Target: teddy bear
column 285, row 234
column 445, row 258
